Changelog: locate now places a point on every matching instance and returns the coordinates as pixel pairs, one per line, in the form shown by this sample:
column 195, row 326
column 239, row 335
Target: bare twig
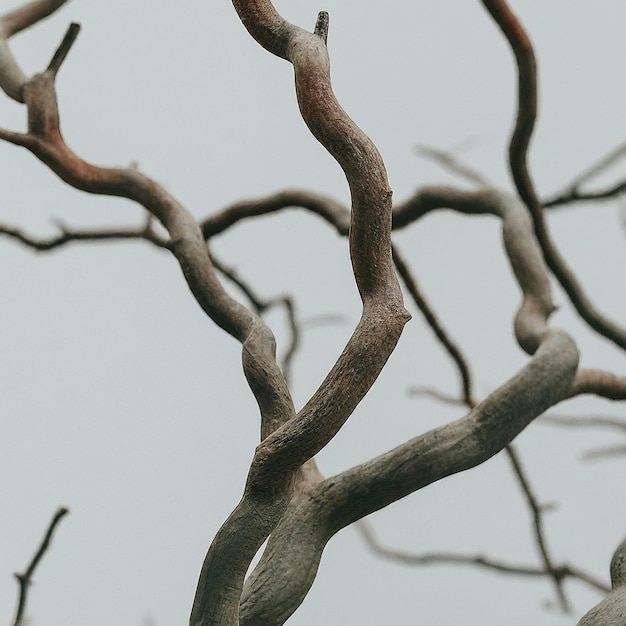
column 584, row 422
column 537, row 513
column 478, row 560
column 25, row 579
column 72, row 235
column 446, row 159
column 449, row 345
column 436, row 394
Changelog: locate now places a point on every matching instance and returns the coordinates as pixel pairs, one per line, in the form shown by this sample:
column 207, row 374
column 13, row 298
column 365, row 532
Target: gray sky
column 123, row 402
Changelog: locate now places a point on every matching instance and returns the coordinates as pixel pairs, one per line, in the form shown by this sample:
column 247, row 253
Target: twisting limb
column 262, row 305
column 273, row 593
column 71, row 235
column 252, row 521
column 441, row 558
column 283, row 451
column 518, row 161
column 24, row 580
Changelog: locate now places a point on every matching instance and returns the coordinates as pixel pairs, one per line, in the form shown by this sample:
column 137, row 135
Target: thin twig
column 449, row 345
column 26, row 578
column 584, row 422
column 452, row 163
column 478, row 560
column 537, row 512
column 436, row 394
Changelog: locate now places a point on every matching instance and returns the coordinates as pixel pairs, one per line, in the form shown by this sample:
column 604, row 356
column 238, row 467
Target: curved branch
column 280, row 454
column 518, row 160
column 12, row 79
column 272, row 592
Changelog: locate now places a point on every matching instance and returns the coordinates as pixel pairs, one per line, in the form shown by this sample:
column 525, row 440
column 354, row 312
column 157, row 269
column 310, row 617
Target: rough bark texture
column 286, row 499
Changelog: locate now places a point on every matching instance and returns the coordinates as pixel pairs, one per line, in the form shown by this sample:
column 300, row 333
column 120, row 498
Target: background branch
column 25, row 579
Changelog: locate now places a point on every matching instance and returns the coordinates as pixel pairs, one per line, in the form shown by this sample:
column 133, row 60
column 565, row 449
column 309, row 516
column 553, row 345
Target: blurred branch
column 610, row 423
column 573, row 192
column 448, row 161
column 24, row 580
column 537, row 513
column 72, row 235
column 478, row 560
column 436, row 394
column 584, row 422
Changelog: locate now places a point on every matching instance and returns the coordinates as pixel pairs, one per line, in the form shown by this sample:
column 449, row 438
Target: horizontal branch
column 563, row 572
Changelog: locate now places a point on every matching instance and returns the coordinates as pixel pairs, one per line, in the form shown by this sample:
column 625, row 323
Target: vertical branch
column 518, row 161
column 555, row 573
column 24, row 580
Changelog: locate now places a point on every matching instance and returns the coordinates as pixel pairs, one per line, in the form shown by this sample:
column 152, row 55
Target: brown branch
column 518, row 161
column 280, row 454
column 450, row 558
column 25, row 579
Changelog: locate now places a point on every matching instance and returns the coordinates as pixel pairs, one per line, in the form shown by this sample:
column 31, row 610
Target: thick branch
column 280, row 454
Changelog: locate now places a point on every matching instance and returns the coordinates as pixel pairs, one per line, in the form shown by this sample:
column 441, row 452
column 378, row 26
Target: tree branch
column 12, row 79
column 518, row 155
column 449, row 558
column 280, row 454
column 24, row 580
column 537, row 513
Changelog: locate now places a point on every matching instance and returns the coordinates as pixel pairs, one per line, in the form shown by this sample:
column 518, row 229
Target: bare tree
column 287, row 502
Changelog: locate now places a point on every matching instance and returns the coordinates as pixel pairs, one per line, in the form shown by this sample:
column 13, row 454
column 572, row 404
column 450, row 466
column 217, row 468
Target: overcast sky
column 122, row 401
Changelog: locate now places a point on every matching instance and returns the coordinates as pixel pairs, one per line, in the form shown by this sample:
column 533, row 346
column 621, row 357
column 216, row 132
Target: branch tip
column 63, row 49
column 321, row 26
